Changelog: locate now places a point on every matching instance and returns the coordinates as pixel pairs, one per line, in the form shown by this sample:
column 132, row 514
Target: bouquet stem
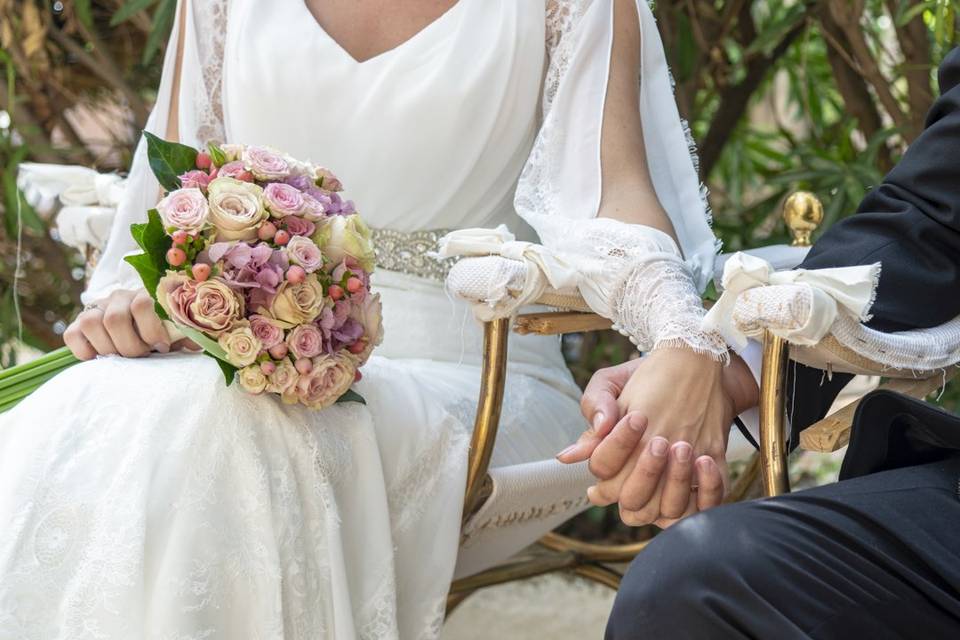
column 18, row 382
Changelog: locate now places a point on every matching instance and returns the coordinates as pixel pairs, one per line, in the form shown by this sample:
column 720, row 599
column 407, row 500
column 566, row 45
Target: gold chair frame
column 803, row 213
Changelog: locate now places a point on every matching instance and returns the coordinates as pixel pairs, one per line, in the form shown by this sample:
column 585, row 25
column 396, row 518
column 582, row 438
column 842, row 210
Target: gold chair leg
column 599, row 574
column 773, row 446
column 489, row 406
column 593, row 552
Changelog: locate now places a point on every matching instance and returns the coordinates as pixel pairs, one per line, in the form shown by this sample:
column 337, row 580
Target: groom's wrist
column 741, row 385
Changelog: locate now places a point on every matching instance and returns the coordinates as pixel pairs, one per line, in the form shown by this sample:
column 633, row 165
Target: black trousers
column 874, row 557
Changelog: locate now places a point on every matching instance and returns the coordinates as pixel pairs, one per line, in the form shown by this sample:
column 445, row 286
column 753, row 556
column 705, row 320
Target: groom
column 876, row 555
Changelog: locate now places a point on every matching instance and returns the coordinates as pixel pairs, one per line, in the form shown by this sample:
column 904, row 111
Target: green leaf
column 169, row 160
column 84, row 14
column 217, row 154
column 351, row 396
column 229, row 371
column 151, row 265
column 130, row 9
column 160, row 30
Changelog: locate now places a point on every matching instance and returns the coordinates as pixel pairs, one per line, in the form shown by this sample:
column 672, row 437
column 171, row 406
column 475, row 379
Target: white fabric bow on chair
column 502, row 273
column 806, row 302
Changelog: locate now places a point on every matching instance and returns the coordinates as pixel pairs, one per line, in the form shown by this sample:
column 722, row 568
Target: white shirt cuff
column 752, row 354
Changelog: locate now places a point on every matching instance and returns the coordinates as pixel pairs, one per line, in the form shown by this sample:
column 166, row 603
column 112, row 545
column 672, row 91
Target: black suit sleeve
column 910, row 223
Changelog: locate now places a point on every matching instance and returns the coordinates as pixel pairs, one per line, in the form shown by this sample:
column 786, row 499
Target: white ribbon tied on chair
column 89, row 200
column 847, row 290
column 538, row 269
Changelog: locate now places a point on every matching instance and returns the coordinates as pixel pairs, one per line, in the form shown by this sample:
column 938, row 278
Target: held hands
column 659, row 433
column 125, row 324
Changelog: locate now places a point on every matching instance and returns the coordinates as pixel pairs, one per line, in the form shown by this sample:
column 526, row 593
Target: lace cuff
column 659, row 307
column 643, row 285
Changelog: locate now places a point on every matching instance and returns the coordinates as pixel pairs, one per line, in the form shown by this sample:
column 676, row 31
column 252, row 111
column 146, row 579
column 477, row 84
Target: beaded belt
column 406, row 252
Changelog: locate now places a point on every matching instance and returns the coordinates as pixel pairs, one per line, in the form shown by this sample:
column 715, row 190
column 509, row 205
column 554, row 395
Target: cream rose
column 283, row 381
column 330, row 378
column 297, row 303
column 252, row 379
column 241, row 345
column 346, row 236
column 236, row 209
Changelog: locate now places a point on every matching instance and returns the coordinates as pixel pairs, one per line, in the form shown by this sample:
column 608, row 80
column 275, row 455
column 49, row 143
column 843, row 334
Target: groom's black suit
column 876, row 555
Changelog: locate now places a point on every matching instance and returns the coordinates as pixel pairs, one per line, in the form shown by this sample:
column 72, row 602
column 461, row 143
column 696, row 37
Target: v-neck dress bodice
column 430, row 134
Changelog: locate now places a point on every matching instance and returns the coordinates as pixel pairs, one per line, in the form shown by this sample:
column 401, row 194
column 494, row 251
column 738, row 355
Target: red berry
column 357, row 347
column 282, row 237
column 203, row 160
column 176, row 257
column 296, row 274
column 201, row 271
column 267, row 231
column 335, row 291
column 179, row 236
column 246, row 176
column 357, row 377
column 354, row 284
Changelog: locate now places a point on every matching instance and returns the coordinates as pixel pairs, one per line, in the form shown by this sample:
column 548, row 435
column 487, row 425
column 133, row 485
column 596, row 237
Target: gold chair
column 803, row 213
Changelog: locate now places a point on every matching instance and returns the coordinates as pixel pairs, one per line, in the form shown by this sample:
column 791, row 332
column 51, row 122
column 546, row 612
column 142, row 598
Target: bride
column 142, row 498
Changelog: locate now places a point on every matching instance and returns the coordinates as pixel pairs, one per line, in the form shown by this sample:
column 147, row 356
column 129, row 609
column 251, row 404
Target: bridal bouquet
column 257, row 258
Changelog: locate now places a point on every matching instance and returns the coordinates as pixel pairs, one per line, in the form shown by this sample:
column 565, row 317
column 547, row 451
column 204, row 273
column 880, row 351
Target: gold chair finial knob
column 803, row 213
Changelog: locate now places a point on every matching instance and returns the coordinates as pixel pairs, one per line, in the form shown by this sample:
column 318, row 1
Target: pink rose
column 283, row 200
column 284, row 380
column 314, row 207
column 184, row 209
column 265, row 164
column 303, row 251
column 268, row 333
column 209, row 306
column 297, row 226
column 195, row 179
column 305, row 341
column 369, row 314
column 326, row 180
column 233, row 170
column 330, row 378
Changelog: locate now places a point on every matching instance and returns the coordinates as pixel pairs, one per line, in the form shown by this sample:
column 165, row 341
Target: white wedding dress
column 143, row 499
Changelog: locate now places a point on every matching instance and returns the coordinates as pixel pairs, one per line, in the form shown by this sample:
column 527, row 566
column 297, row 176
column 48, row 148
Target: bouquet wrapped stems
column 16, row 383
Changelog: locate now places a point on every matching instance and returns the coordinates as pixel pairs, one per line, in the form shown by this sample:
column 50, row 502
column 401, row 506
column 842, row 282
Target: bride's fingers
column 710, row 483
column 119, row 324
column 90, row 323
column 186, row 344
column 678, row 481
column 644, row 479
column 149, row 326
column 610, row 456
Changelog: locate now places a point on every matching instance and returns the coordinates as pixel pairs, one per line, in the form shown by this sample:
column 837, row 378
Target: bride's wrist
column 659, row 307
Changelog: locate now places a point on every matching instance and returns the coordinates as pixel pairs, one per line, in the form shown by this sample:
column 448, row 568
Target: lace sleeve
column 200, row 114
column 633, row 274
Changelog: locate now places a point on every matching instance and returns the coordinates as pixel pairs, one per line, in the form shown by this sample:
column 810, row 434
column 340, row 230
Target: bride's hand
column 678, row 408
column 125, row 324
